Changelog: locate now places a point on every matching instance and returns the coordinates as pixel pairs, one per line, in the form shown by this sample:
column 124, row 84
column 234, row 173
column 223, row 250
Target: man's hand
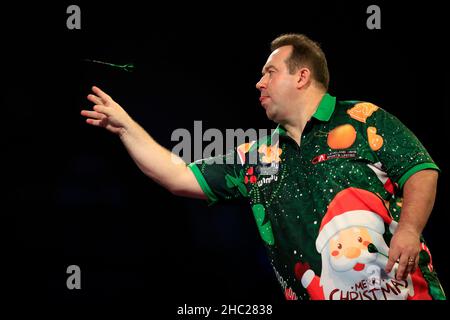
column 405, row 247
column 107, row 113
column 419, row 193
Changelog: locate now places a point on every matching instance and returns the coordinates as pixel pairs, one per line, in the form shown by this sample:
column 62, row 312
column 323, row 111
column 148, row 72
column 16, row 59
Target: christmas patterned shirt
column 327, row 209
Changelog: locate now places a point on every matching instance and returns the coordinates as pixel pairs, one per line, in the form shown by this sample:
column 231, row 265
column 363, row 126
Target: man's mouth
column 262, row 98
column 359, row 267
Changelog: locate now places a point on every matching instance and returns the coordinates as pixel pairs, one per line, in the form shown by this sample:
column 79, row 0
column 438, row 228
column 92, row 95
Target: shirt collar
column 323, row 112
column 325, row 108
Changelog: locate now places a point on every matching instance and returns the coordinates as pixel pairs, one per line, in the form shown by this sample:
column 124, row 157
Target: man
column 327, row 189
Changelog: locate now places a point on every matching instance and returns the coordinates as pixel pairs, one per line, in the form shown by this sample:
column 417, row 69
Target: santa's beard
column 339, row 273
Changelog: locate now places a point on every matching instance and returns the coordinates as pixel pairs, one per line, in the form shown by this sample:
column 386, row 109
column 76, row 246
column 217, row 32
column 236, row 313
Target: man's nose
column 260, row 84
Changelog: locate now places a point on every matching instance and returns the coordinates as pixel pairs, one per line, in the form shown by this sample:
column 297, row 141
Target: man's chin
column 270, row 115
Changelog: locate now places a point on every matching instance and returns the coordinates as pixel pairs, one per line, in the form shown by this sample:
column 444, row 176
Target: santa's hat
column 354, row 207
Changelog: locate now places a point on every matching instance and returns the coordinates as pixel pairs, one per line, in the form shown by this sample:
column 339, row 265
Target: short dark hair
column 305, row 52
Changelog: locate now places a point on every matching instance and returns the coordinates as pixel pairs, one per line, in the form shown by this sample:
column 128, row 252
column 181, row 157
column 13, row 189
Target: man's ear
column 303, row 77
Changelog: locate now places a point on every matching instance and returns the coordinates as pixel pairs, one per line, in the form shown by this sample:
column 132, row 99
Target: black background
column 74, row 196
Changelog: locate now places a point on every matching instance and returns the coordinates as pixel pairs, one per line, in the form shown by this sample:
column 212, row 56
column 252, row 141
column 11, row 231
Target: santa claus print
column 355, row 219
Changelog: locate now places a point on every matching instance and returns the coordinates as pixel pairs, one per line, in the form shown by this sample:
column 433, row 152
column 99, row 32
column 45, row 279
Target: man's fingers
column 409, row 268
column 93, row 98
column 97, row 123
column 408, row 262
column 105, row 98
column 412, row 262
column 416, row 265
column 102, row 109
column 393, row 256
column 402, row 271
column 93, row 114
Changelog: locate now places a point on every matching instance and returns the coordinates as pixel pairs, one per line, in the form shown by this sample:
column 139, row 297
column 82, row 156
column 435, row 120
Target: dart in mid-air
column 129, row 67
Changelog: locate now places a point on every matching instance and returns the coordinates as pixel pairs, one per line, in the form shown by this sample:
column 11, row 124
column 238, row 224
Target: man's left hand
column 404, row 248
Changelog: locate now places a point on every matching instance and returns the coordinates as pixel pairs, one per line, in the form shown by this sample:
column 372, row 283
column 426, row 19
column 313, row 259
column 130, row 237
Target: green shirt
column 319, row 205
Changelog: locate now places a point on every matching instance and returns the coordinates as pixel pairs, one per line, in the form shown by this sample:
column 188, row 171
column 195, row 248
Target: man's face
column 277, row 85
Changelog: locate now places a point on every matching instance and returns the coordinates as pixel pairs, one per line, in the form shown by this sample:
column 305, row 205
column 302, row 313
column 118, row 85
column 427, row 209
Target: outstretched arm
column 155, row 161
column 419, row 193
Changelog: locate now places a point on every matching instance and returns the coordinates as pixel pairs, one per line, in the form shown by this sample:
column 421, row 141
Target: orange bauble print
column 375, row 140
column 271, row 153
column 341, row 137
column 362, row 111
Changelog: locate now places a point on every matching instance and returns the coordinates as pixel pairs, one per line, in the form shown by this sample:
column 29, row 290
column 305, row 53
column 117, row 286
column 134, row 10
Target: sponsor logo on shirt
column 334, row 155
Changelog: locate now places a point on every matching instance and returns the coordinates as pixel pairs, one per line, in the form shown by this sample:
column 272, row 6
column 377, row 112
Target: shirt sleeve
column 221, row 178
column 397, row 148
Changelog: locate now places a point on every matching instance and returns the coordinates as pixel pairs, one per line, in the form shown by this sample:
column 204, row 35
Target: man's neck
column 303, row 112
